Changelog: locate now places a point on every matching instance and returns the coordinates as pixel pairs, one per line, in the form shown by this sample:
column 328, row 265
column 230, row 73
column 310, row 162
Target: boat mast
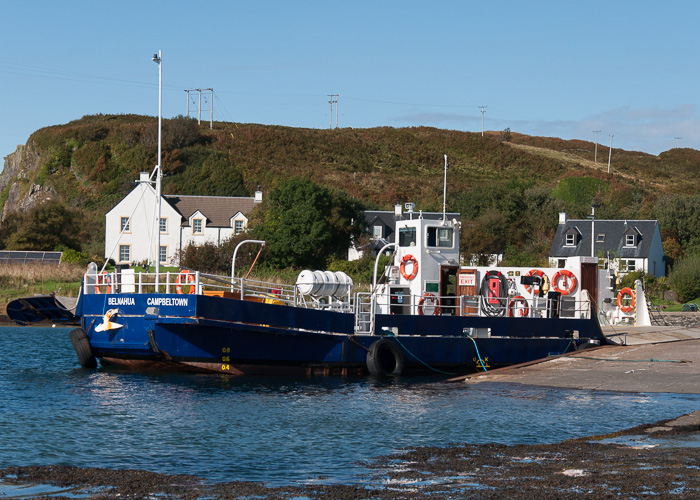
column 444, row 193
column 158, row 61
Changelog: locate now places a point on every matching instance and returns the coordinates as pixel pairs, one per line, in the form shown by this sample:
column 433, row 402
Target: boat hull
column 228, row 335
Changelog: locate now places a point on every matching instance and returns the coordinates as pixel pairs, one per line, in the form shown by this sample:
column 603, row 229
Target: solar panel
column 22, row 257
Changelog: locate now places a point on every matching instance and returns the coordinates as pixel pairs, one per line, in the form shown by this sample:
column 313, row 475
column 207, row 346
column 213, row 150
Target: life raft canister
column 408, row 258
column 621, row 295
column 544, row 286
column 103, row 279
column 182, row 279
column 565, row 274
column 523, row 310
column 429, row 300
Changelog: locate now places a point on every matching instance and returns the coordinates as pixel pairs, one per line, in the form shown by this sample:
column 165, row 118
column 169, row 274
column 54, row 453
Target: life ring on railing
column 182, row 279
column 103, row 279
column 408, row 258
column 429, row 300
column 544, row 286
column 523, row 311
column 621, row 294
column 565, row 273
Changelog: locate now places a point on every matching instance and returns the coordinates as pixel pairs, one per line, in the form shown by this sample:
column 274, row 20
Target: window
column 197, row 226
column 163, row 254
column 629, row 240
column 407, row 237
column 124, row 225
column 627, row 265
column 238, row 226
column 600, row 238
column 570, row 239
column 376, row 231
column 440, row 237
column 164, row 225
column 124, row 253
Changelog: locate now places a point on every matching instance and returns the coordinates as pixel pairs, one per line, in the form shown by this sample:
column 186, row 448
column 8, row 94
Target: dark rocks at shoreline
column 625, row 466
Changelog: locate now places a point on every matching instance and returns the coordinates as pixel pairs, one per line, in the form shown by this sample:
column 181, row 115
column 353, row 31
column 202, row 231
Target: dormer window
column 376, row 231
column 570, row 239
column 196, row 226
column 630, row 240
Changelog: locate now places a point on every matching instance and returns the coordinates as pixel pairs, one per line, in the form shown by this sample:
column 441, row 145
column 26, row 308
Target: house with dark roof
column 185, row 220
column 380, row 225
column 628, row 245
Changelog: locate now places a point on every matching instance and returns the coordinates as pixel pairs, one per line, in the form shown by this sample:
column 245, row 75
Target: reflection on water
column 271, row 429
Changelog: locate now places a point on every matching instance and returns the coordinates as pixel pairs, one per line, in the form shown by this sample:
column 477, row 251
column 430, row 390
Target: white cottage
column 129, row 226
column 628, row 245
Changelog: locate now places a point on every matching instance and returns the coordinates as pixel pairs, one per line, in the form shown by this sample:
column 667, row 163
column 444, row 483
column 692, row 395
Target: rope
column 254, row 261
column 416, row 357
column 477, row 352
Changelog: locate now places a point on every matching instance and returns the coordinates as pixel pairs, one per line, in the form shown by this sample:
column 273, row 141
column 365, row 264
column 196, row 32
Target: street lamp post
column 157, row 59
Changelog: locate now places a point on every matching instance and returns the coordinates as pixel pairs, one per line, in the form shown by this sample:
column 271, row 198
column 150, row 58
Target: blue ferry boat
column 424, row 312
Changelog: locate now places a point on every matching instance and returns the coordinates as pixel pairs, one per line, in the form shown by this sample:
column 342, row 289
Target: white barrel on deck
column 324, row 283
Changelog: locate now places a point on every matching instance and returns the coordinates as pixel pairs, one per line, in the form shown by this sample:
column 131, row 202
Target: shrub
column 685, row 278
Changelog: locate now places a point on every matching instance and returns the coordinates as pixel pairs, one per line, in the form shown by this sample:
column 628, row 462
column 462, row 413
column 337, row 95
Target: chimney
column 258, row 196
column 562, row 217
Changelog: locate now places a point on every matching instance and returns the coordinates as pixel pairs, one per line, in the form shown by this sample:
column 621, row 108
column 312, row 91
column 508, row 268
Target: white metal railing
column 365, row 305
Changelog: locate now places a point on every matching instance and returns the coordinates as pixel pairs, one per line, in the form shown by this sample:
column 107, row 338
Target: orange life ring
column 429, row 297
column 103, row 279
column 405, row 260
column 182, row 279
column 544, row 286
column 524, row 310
column 565, row 273
column 621, row 294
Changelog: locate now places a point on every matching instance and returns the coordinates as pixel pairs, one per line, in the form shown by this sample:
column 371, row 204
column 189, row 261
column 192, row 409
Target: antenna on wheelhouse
column 444, row 193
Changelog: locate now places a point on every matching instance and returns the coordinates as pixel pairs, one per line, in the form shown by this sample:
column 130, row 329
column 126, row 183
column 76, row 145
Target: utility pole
column 333, row 99
column 596, row 145
column 610, row 152
column 199, row 105
column 678, row 141
column 483, row 110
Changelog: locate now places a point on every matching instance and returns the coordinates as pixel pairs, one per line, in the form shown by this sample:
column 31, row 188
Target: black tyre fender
column 384, row 357
column 81, row 344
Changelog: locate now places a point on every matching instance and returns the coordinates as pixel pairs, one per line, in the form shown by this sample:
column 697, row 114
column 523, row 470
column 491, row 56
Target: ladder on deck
column 365, row 310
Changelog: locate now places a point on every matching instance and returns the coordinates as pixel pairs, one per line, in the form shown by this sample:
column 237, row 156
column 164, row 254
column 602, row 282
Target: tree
column 44, row 227
column 304, row 224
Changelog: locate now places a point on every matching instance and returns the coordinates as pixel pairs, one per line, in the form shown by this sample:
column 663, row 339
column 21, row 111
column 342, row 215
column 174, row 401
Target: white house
column 629, row 245
column 130, row 225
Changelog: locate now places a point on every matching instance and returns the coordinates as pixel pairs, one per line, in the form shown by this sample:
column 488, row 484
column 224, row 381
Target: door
column 589, row 281
column 467, row 289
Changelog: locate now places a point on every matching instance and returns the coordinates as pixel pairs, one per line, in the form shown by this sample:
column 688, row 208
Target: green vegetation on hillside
column 509, row 193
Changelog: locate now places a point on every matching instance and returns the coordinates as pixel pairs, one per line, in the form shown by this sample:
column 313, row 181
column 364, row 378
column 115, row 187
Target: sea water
column 279, row 430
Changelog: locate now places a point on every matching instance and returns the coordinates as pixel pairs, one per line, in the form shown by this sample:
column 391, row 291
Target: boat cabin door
column 448, row 290
column 467, row 290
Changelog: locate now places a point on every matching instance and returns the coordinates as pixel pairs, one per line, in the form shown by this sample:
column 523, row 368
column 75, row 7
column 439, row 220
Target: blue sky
column 550, row 68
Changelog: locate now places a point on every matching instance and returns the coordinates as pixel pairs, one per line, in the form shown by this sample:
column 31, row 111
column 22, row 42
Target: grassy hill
column 509, row 184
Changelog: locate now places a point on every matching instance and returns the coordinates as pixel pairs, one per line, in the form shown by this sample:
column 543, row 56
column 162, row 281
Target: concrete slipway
column 646, row 359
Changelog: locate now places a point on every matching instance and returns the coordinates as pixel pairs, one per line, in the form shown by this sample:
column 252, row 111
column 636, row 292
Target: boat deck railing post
column 197, row 283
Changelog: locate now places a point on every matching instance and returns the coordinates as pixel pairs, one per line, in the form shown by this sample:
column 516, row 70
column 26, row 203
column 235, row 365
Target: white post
column 158, row 60
column 444, row 193
column 610, row 153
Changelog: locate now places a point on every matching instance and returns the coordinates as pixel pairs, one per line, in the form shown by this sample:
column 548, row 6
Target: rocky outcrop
column 19, row 167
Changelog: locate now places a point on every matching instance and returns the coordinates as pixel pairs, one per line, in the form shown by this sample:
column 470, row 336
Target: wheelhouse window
column 197, row 226
column 440, row 237
column 407, row 237
column 629, row 240
column 570, row 239
column 124, row 253
column 125, row 227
